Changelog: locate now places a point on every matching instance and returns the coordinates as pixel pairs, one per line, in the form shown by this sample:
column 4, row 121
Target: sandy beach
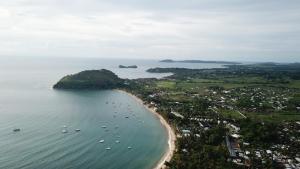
column 171, row 134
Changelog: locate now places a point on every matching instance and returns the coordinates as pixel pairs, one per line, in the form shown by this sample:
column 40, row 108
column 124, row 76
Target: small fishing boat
column 108, row 148
column 17, row 130
column 117, row 141
column 101, row 141
column 129, row 147
column 64, row 131
column 103, row 126
column 77, row 130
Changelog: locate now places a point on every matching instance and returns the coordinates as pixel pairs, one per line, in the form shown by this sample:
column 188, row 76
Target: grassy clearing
column 166, row 84
column 202, row 86
column 246, row 80
column 206, row 81
column 275, row 117
column 294, row 84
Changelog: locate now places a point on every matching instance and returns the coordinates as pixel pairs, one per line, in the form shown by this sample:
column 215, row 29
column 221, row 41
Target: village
column 251, row 126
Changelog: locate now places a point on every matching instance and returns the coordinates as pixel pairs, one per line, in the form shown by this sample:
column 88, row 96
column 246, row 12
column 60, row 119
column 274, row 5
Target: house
column 232, row 146
column 177, row 114
column 186, row 133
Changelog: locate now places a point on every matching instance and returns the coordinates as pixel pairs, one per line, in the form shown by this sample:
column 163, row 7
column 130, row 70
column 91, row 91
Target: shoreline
column 171, row 134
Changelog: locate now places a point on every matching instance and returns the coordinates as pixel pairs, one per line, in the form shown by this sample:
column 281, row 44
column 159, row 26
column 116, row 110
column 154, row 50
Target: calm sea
column 28, row 102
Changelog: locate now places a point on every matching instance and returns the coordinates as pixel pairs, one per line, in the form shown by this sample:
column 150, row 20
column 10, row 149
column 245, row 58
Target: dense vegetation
column 278, row 73
column 90, row 79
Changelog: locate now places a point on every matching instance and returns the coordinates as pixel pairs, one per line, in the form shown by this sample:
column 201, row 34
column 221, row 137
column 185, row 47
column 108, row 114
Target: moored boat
column 17, row 129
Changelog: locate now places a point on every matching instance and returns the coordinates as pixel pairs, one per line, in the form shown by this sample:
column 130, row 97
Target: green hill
column 90, row 79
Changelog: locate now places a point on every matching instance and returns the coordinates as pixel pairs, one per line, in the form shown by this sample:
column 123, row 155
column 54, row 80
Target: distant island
column 198, row 61
column 132, row 66
column 90, row 79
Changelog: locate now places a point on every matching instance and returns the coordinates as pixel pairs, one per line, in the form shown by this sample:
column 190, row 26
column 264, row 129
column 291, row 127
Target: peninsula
column 90, row 79
column 198, row 61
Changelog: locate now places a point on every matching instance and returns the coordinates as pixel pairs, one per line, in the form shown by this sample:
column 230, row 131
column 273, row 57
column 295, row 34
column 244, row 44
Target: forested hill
column 90, row 79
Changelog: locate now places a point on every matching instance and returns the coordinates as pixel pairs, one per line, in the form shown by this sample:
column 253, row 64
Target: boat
column 103, row 126
column 108, row 148
column 117, row 141
column 129, row 147
column 77, row 130
column 64, row 131
column 101, row 141
column 64, row 126
column 17, row 130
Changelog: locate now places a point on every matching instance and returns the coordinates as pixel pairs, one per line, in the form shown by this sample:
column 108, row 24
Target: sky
column 234, row 30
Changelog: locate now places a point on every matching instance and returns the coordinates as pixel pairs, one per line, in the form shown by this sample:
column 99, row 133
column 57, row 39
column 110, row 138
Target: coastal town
column 150, row 84
column 226, row 121
column 240, row 116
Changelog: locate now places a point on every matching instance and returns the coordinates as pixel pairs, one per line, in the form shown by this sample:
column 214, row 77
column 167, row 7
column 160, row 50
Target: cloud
column 196, row 29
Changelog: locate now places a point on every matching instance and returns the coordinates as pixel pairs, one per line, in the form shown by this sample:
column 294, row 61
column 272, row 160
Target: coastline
column 171, row 134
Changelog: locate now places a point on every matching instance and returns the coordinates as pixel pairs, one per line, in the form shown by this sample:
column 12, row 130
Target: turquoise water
column 41, row 143
column 28, row 102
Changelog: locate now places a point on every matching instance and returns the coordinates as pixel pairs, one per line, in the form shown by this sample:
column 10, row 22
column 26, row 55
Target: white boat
column 101, row 141
column 129, row 147
column 64, row 131
column 77, row 130
column 108, row 148
column 103, row 126
column 117, row 141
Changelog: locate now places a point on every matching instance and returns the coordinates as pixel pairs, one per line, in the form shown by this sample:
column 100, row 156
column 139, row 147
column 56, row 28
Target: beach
column 171, row 134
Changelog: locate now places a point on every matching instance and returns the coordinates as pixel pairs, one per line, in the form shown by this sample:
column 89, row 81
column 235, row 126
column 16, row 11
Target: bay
column 28, row 102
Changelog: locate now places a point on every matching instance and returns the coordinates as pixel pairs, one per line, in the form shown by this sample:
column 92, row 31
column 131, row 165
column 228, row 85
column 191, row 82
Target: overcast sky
column 251, row 30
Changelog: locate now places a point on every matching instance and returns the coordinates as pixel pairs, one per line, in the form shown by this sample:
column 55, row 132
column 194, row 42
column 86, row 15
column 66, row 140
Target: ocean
column 133, row 137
